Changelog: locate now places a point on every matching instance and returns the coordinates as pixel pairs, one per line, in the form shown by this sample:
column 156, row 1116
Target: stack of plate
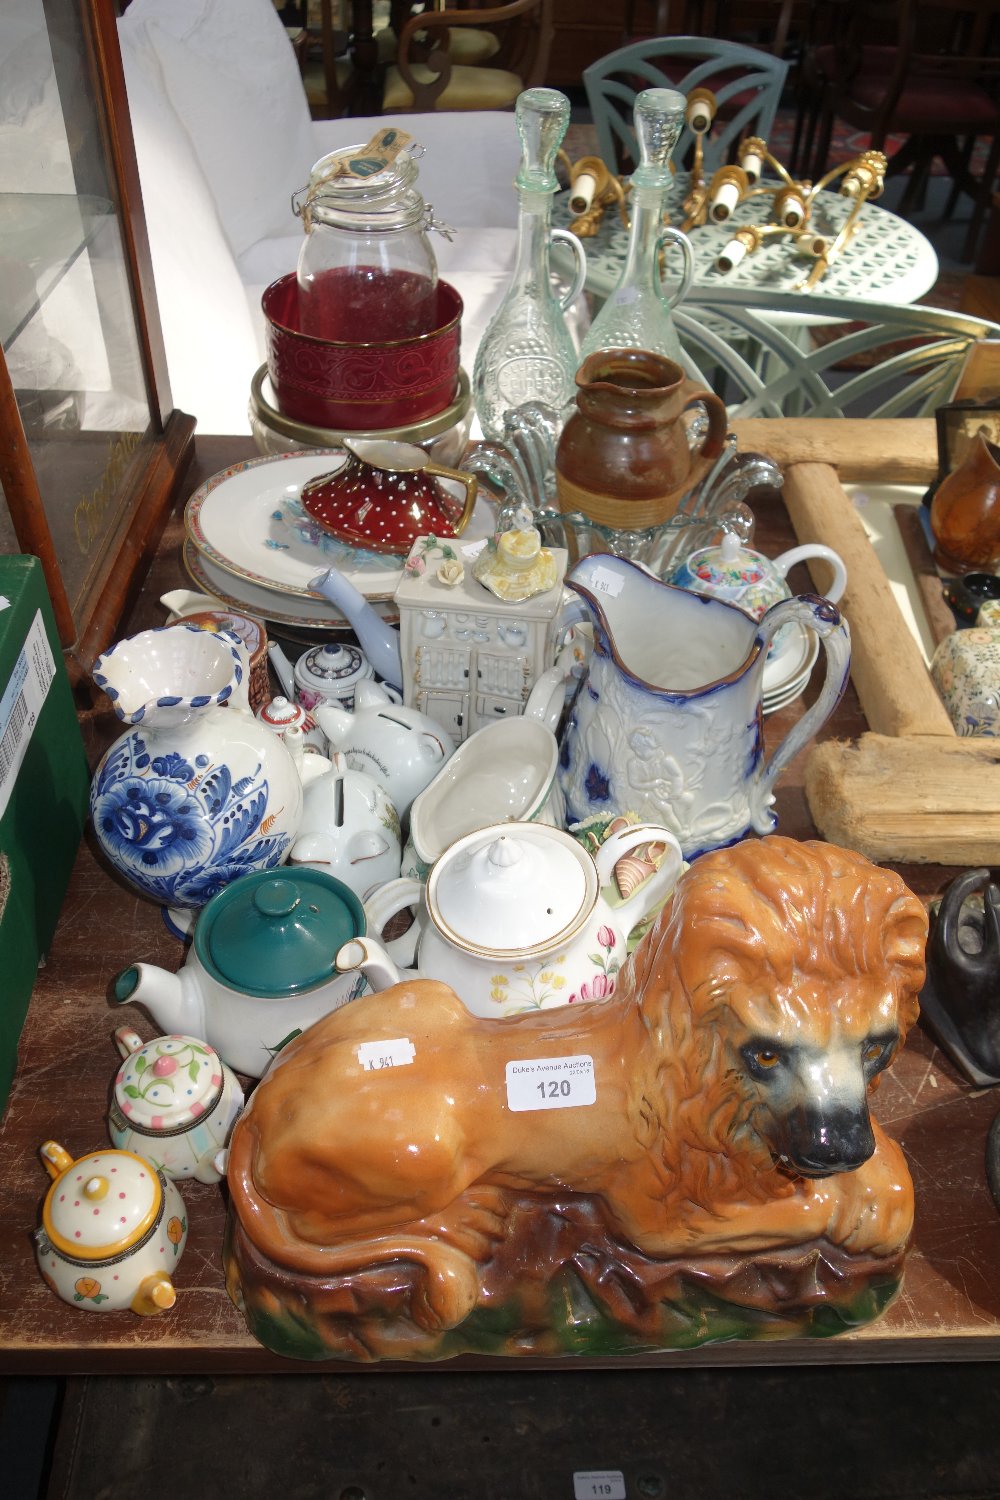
column 249, row 544
column 787, row 672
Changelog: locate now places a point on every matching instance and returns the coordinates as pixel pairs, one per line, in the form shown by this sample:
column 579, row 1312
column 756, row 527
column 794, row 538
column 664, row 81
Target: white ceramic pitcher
column 668, row 723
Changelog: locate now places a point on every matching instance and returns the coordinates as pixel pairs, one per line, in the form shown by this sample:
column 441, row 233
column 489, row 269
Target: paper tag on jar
column 550, row 1083
column 384, row 146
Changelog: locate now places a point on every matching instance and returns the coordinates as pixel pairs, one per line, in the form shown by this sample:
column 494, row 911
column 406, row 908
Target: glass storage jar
column 366, row 271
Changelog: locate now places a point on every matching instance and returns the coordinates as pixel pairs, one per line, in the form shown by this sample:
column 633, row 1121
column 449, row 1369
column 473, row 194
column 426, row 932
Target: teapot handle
column 677, row 237
column 390, row 899
column 787, row 561
column 655, row 889
column 128, row 1041
column 56, row 1158
column 567, row 237
column 829, row 624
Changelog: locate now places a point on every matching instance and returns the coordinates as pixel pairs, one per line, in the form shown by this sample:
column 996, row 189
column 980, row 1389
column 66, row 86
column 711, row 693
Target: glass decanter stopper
column 526, row 353
column 637, row 315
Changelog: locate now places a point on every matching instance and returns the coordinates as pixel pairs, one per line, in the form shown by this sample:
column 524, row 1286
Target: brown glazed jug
column 965, row 511
column 623, row 459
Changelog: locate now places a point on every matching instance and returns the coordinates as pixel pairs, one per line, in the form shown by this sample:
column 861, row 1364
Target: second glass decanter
column 527, row 353
column 637, row 315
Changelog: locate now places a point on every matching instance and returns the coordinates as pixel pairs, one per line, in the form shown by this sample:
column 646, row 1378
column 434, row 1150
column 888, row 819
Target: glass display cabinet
column 91, row 452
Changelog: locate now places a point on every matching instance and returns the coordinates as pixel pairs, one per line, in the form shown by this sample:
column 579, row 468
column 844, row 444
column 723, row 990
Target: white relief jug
column 668, row 722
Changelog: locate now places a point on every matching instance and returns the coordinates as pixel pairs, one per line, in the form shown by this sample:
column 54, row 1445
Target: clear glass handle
column 676, row 237
column 567, row 237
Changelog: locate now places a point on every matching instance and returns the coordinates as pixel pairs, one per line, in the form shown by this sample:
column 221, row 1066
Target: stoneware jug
column 623, row 458
column 113, row 1229
column 965, row 511
column 668, row 723
column 196, row 791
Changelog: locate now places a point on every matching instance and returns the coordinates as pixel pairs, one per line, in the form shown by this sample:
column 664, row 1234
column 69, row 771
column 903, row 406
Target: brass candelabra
column 791, row 205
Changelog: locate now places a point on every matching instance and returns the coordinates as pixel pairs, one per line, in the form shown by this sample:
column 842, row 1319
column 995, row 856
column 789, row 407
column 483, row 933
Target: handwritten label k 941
column 550, row 1083
column 395, row 1053
column 603, row 581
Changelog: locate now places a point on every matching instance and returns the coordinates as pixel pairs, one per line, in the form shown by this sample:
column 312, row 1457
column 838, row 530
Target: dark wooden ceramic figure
column 690, row 1160
column 961, row 996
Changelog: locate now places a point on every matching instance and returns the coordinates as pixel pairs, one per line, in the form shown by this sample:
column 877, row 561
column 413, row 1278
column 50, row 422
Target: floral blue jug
column 196, row 791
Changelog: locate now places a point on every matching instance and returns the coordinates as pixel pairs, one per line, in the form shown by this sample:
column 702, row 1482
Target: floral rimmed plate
column 245, row 521
column 306, row 614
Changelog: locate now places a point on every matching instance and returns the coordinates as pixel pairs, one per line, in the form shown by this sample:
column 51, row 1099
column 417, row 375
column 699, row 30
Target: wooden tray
column 911, row 789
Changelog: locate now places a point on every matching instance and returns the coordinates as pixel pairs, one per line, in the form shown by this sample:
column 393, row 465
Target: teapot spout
column 379, row 641
column 282, row 669
column 155, row 1294
column 172, row 999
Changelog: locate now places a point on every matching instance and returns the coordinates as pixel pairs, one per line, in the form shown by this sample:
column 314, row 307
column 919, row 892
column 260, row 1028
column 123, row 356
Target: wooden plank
column 887, row 668
column 873, row 450
column 923, row 799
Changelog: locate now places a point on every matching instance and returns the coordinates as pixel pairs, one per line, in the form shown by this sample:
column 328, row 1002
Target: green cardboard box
column 44, row 785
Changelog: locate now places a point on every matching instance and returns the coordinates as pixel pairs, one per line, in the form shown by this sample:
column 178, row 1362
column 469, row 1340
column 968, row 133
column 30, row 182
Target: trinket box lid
column 101, row 1205
column 168, row 1083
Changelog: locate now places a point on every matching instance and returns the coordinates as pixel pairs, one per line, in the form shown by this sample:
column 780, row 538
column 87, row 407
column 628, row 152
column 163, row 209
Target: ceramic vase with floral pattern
column 196, row 792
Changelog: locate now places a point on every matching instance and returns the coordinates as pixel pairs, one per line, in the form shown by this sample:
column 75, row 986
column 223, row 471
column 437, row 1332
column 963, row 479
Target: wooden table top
column 949, row 1306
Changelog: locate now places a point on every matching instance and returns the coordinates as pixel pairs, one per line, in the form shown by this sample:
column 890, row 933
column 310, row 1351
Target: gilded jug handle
column 470, row 484
column 580, row 255
column 829, row 624
column 676, row 237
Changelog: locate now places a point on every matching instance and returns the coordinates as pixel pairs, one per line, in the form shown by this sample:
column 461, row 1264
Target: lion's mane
column 764, row 911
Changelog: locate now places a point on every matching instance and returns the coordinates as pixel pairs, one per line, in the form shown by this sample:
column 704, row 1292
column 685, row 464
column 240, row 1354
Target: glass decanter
column 526, row 353
column 637, row 314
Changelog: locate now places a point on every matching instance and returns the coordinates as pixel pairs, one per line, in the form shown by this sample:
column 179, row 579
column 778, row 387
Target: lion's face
column 804, row 1058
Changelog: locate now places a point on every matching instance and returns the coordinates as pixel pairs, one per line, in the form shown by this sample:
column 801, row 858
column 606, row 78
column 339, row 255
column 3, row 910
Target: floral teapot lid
column 277, row 932
column 101, row 1205
column 734, row 572
column 524, row 887
column 168, row 1083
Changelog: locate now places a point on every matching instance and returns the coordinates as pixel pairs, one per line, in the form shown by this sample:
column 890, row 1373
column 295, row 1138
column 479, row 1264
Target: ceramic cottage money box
column 692, row 1159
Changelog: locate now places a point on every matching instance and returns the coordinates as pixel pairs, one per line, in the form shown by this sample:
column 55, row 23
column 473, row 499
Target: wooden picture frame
column 911, row 789
column 958, row 423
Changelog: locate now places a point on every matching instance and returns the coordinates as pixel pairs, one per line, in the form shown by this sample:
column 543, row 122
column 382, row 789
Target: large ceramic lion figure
column 732, row 1071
